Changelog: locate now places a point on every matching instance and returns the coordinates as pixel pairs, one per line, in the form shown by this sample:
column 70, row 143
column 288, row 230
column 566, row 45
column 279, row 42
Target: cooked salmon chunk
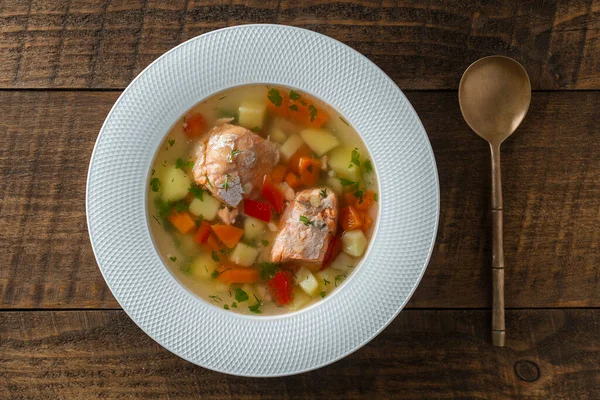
column 309, row 223
column 233, row 162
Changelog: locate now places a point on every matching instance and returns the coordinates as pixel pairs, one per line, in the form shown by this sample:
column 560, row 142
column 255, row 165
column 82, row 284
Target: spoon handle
column 498, row 328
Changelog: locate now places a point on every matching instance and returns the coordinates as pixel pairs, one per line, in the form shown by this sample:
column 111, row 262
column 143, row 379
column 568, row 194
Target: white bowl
column 247, row 345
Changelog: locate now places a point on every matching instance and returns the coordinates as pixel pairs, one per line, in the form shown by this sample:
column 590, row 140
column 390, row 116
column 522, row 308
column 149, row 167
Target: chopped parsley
column 355, row 158
column 215, row 298
column 163, row 207
column 240, row 295
column 339, row 279
column 312, row 110
column 215, row 256
column 155, row 184
column 322, row 294
column 180, row 206
column 225, row 184
column 179, row 163
column 294, row 95
column 367, row 167
column 293, row 107
column 234, row 152
column 186, row 269
column 268, row 270
column 226, row 307
column 323, row 193
column 375, row 196
column 221, row 98
column 215, row 274
column 265, row 243
column 173, row 259
column 345, row 182
column 359, row 195
column 256, row 129
column 305, row 220
column 197, row 192
column 303, row 102
column 208, row 181
column 153, row 171
column 275, row 97
column 156, row 219
column 234, row 305
column 256, row 308
column 326, row 282
column 344, row 121
column 164, row 164
column 171, row 142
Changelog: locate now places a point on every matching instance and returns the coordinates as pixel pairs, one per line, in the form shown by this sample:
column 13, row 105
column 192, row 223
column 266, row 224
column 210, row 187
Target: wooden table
column 63, row 64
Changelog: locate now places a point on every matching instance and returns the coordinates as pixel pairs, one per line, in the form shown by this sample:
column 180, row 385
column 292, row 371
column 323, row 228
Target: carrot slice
column 183, row 221
column 294, row 162
column 229, row 235
column 349, row 198
column 194, row 125
column 368, row 199
column 293, row 180
column 278, row 102
column 203, row 232
column 212, row 243
column 350, row 219
column 309, row 169
column 367, row 221
column 278, row 173
column 230, row 274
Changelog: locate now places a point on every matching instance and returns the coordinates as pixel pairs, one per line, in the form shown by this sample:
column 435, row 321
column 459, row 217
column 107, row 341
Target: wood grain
column 421, row 45
column 551, row 197
column 422, row 354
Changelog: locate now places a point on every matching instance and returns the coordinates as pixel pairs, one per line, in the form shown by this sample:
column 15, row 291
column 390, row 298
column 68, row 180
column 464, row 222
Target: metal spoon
column 494, row 96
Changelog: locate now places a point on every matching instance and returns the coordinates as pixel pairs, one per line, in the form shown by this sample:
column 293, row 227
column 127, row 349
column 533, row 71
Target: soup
column 262, row 200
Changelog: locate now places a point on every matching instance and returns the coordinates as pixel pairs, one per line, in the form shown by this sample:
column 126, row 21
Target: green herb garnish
column 344, row 121
column 256, row 129
column 323, row 193
column 226, row 307
column 208, row 181
column 171, row 142
column 345, row 182
column 215, row 298
column 322, row 294
column 180, row 206
column 234, row 152
column 156, row 219
column 197, row 192
column 305, row 220
column 359, row 195
column 268, row 270
column 294, row 95
column 186, row 269
column 293, row 107
column 215, row 274
column 303, row 102
column 153, row 171
column 155, row 184
column 326, row 282
column 179, row 163
column 312, row 110
column 274, row 97
column 355, row 158
column 221, row 98
column 215, row 256
column 339, row 279
column 173, row 259
column 367, row 167
column 225, row 184
column 265, row 243
column 234, row 305
column 256, row 308
column 240, row 295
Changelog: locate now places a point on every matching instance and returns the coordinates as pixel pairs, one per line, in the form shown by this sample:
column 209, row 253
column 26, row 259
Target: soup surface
column 262, row 199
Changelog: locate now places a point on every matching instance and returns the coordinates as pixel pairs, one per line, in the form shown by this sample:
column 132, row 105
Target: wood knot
column 527, row 371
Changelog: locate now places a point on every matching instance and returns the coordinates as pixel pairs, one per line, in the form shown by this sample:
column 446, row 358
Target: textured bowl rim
column 431, row 240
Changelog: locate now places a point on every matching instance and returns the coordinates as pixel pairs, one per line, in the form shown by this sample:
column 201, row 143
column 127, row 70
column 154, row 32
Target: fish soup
column 262, row 199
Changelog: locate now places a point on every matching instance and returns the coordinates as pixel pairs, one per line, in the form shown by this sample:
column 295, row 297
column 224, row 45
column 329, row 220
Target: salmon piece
column 309, row 223
column 232, row 163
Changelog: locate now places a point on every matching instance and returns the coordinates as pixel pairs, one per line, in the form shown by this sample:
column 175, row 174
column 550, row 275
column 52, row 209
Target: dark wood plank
column 551, row 186
column 422, row 354
column 421, row 45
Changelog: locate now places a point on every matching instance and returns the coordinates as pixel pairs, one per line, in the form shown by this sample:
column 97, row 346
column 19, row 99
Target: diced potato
column 251, row 292
column 291, row 145
column 307, row 281
column 174, row 184
column 335, row 185
column 319, row 140
column 344, row 262
column 203, row 266
column 244, row 255
column 354, row 243
column 326, row 279
column 277, row 135
column 207, row 207
column 253, row 228
column 299, row 300
column 252, row 114
column 340, row 162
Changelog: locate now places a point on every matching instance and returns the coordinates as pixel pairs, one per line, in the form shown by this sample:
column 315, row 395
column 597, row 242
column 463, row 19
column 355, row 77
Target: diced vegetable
column 309, row 170
column 253, row 228
column 212, row 243
column 340, row 162
column 278, row 173
column 278, row 136
column 334, row 248
column 231, row 274
column 244, row 255
column 194, row 125
column 272, row 194
column 291, row 146
column 229, row 235
column 207, row 207
column 350, row 219
column 307, row 281
column 366, row 201
column 344, row 262
column 326, row 279
column 367, row 221
column 293, row 180
column 319, row 140
column 299, row 300
column 335, row 185
column 294, row 162
column 203, row 266
column 354, row 243
column 175, row 184
column 281, row 287
column 252, row 114
column 183, row 221
column 203, row 232
column 257, row 209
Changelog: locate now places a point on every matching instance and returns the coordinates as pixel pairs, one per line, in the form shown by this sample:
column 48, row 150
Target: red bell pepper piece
column 272, row 194
column 257, row 209
column 281, row 286
column 203, row 232
column 335, row 248
column 194, row 125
